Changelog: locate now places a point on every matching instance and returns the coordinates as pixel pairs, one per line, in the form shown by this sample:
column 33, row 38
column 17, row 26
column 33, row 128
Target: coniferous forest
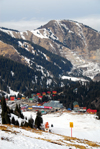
column 86, row 94
column 20, row 77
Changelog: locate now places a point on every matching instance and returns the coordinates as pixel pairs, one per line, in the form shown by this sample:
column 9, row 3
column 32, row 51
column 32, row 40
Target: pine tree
column 22, row 124
column 3, row 120
column 31, row 122
column 18, row 111
column 3, row 105
column 21, row 114
column 4, row 111
column 38, row 120
column 7, row 119
column 13, row 121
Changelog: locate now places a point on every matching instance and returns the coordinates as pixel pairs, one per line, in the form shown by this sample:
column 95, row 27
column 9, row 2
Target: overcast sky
column 31, row 14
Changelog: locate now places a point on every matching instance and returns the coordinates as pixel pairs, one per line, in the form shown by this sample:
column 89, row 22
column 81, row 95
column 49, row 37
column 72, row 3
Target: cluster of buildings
column 77, row 108
column 51, row 105
column 32, row 104
column 35, row 97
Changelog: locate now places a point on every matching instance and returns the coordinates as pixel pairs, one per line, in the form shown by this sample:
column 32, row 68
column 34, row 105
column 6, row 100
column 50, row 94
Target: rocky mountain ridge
column 74, row 41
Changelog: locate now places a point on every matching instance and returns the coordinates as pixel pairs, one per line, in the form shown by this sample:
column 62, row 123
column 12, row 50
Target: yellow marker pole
column 71, row 125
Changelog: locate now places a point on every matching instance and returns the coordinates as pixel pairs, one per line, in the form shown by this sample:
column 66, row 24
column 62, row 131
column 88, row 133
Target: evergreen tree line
column 7, row 119
column 84, row 94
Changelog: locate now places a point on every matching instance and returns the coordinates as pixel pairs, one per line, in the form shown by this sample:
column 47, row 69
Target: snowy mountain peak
column 78, row 43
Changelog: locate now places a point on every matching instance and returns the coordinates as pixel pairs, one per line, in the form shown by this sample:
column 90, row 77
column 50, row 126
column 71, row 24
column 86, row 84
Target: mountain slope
column 35, row 55
column 74, row 41
column 21, row 78
column 32, row 66
column 85, row 133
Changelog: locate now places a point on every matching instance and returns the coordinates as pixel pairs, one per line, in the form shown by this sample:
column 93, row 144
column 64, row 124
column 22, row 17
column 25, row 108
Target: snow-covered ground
column 86, row 127
column 73, row 78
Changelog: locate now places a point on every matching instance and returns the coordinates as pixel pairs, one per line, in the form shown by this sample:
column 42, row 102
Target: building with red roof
column 54, row 92
column 91, row 111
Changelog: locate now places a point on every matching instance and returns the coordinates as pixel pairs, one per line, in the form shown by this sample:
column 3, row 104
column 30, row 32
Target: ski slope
column 86, row 126
column 86, row 129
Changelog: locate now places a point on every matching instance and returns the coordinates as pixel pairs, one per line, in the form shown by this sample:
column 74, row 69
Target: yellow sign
column 71, row 124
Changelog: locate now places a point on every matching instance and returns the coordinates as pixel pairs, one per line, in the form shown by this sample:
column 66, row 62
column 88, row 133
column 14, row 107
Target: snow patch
column 28, row 60
column 38, row 34
column 73, row 78
column 40, row 68
column 43, row 54
column 8, row 32
column 49, row 81
column 12, row 73
column 64, row 62
column 80, row 30
column 22, row 35
column 57, row 65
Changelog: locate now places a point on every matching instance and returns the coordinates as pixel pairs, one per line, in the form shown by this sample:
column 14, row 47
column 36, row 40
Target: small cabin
column 91, row 111
column 43, row 93
column 23, row 98
column 12, row 98
column 40, row 97
column 54, row 92
column 48, row 92
column 76, row 106
column 38, row 94
column 83, row 109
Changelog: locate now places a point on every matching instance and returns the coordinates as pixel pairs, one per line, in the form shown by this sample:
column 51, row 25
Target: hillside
column 20, row 78
column 84, row 135
column 33, row 55
column 78, row 43
column 32, row 65
column 52, row 53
